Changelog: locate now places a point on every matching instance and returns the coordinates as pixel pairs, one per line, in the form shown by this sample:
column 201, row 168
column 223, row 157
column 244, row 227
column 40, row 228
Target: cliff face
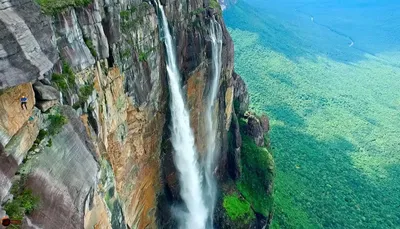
column 93, row 143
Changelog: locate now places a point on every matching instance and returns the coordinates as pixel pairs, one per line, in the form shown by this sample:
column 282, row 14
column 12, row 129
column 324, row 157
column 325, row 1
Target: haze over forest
column 327, row 73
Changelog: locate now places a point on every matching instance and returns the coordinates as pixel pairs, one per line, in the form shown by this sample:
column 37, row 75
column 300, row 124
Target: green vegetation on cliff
column 334, row 114
column 252, row 192
column 23, row 203
column 41, row 136
column 57, row 121
column 257, row 175
column 52, row 7
column 66, row 79
column 215, row 5
column 84, row 93
column 238, row 210
column 89, row 44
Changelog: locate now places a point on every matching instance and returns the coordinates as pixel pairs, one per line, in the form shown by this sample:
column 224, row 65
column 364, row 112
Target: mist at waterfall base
column 210, row 194
column 185, row 155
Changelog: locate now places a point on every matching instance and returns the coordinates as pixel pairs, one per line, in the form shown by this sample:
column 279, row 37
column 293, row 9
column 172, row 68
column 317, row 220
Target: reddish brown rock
column 12, row 116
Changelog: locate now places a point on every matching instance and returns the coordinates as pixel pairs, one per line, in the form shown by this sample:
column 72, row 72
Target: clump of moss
column 69, row 73
column 215, row 5
column 84, row 93
column 125, row 54
column 57, row 121
column 42, row 134
column 89, row 44
column 238, row 209
column 49, row 143
column 64, row 80
column 198, row 11
column 52, row 7
column 257, row 174
column 24, row 203
column 134, row 17
column 142, row 56
column 59, row 80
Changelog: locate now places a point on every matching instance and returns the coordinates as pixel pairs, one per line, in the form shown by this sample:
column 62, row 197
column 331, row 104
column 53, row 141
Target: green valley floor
column 335, row 117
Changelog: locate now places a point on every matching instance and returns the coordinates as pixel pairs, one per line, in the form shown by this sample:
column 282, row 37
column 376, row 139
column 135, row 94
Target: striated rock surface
column 241, row 95
column 26, row 53
column 235, row 147
column 97, row 150
column 64, row 176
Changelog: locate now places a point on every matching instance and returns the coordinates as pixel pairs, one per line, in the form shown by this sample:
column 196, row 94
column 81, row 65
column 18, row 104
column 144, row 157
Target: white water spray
column 185, row 155
column 211, row 121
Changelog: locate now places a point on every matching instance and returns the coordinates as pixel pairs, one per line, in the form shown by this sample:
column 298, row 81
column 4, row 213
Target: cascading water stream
column 185, row 155
column 211, row 122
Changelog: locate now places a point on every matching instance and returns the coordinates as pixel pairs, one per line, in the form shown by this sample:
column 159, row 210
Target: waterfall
column 211, row 121
column 61, row 98
column 185, row 155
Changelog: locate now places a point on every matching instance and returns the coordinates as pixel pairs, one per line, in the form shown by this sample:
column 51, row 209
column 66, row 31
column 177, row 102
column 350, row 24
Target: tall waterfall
column 211, row 120
column 185, row 155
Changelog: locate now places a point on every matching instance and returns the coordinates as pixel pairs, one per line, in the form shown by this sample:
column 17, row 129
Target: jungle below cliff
column 327, row 74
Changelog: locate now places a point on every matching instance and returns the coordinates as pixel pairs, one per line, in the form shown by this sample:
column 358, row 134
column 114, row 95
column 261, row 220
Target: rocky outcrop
column 234, row 150
column 110, row 165
column 255, row 130
column 241, row 95
column 12, row 116
column 264, row 120
column 71, row 42
column 26, row 52
column 46, row 96
column 250, row 166
column 45, row 92
column 63, row 186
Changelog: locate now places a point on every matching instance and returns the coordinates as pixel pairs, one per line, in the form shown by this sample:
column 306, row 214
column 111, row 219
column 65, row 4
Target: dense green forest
column 334, row 109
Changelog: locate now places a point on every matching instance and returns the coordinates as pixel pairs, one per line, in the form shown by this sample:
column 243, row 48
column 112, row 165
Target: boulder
column 45, row 92
column 255, row 130
column 46, row 105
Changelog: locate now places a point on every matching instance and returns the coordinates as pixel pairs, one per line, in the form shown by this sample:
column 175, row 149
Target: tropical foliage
column 335, row 122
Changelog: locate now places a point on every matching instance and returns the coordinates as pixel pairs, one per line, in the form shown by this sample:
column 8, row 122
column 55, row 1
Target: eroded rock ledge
column 93, row 145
